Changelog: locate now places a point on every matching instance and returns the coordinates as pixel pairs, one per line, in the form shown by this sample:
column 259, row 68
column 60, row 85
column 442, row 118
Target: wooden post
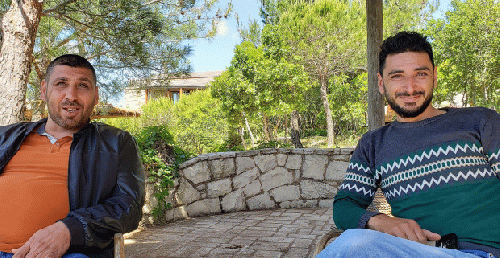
column 374, row 29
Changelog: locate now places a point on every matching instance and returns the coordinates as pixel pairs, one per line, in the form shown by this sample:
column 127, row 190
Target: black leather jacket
column 105, row 183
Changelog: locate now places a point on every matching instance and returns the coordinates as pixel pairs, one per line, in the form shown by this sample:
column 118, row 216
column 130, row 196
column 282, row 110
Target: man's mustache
column 70, row 103
column 406, row 94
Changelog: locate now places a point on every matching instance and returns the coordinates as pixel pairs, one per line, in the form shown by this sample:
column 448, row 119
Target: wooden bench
column 119, row 246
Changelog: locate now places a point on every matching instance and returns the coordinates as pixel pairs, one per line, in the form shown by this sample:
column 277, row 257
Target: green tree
column 121, row 38
column 200, row 125
column 467, row 51
column 259, row 82
column 326, row 37
column 407, row 15
column 348, row 101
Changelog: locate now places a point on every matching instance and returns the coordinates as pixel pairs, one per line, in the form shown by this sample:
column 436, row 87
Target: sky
column 216, row 54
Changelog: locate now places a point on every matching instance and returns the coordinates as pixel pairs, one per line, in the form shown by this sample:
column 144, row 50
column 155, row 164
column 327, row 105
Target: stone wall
column 250, row 180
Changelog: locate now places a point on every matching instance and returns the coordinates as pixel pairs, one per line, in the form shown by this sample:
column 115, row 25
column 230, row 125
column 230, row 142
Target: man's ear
column 381, row 88
column 43, row 90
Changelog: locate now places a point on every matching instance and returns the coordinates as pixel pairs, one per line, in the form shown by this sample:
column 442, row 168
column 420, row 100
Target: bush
column 159, row 154
column 200, row 125
column 161, row 159
column 158, row 111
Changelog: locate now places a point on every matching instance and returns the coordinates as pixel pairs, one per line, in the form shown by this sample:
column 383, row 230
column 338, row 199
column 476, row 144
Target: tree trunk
column 328, row 112
column 234, row 138
column 38, row 105
column 19, row 26
column 286, row 129
column 374, row 25
column 252, row 138
column 295, row 129
column 241, row 131
column 266, row 128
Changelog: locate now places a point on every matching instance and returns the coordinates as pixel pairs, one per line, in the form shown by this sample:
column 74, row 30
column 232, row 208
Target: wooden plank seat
column 119, row 246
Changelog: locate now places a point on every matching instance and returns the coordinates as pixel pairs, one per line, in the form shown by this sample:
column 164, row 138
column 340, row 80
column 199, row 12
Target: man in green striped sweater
column 438, row 168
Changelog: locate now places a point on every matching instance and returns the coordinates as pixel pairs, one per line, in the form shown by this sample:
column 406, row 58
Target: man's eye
column 83, row 85
column 396, row 76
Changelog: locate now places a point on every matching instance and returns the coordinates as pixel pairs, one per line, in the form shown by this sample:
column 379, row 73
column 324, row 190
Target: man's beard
column 404, row 112
column 69, row 124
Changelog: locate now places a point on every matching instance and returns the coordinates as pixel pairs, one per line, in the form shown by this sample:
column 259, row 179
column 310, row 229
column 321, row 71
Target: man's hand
column 404, row 228
column 52, row 241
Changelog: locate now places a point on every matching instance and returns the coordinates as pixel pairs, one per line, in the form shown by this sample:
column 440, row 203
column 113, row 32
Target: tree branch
column 152, row 2
column 59, row 6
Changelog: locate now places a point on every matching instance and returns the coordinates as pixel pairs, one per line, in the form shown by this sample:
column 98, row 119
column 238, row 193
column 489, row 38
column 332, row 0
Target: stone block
column 296, row 175
column 286, row 193
column 201, row 188
column 336, row 170
column 150, row 198
column 325, row 152
column 176, row 214
column 203, row 207
column 219, row 188
column 245, row 178
column 147, row 219
column 345, row 158
column 244, row 164
column 284, row 151
column 299, row 204
column 307, row 151
column 276, row 178
column 317, row 190
column 186, row 193
column 294, row 162
column 336, row 151
column 281, row 158
column 262, row 201
column 222, row 168
column 253, row 188
column 347, row 151
column 248, row 153
column 234, row 201
column 197, row 173
column 192, row 161
column 265, row 162
column 268, row 151
column 315, row 166
column 326, row 203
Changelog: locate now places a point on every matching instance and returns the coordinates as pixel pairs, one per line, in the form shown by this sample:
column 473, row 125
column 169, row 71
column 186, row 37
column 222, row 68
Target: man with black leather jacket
column 67, row 185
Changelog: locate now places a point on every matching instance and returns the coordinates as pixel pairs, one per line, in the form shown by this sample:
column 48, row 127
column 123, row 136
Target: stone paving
column 289, row 233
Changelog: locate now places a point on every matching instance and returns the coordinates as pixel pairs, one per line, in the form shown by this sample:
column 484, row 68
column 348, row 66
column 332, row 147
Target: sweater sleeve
column 490, row 139
column 356, row 191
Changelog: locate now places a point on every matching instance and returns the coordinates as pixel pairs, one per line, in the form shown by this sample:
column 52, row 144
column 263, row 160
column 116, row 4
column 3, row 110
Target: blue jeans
column 72, row 255
column 371, row 243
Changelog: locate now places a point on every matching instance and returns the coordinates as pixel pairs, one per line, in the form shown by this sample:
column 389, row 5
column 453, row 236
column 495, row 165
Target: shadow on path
column 289, row 233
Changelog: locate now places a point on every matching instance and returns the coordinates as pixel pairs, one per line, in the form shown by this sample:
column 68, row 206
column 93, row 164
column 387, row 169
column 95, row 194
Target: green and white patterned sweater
column 443, row 172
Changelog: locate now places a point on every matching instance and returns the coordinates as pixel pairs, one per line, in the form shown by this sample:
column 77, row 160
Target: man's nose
column 411, row 84
column 71, row 92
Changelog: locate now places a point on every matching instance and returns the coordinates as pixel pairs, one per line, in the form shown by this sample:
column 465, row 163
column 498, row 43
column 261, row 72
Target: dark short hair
column 70, row 60
column 404, row 42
